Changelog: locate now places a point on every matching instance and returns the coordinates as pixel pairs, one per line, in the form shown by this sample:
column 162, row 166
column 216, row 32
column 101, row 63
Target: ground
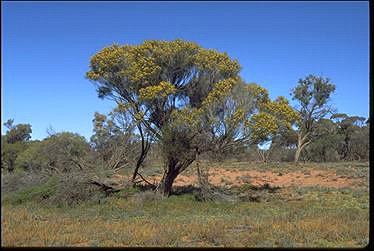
column 220, row 175
column 277, row 205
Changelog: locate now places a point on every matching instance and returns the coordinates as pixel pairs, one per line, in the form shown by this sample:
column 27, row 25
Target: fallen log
column 105, row 187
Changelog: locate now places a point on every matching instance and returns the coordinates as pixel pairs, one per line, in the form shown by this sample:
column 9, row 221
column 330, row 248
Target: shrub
column 62, row 152
column 56, row 189
column 74, row 188
column 23, row 186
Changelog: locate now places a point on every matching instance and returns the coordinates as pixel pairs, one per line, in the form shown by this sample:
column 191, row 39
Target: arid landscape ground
column 258, row 178
column 275, row 205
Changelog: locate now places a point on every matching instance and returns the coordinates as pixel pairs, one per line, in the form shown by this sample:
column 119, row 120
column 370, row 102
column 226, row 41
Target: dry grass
column 318, row 217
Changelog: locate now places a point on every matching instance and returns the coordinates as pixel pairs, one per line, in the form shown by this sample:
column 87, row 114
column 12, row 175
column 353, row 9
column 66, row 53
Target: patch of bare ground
column 220, row 177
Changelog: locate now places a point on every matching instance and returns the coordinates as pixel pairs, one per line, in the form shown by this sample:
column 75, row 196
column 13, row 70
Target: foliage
column 313, row 94
column 50, row 188
column 342, row 137
column 60, row 152
column 17, row 133
column 354, row 134
column 187, row 97
column 13, row 143
column 116, row 143
column 108, row 137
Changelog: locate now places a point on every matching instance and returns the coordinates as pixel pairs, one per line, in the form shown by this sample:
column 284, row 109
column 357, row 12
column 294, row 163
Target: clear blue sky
column 46, row 47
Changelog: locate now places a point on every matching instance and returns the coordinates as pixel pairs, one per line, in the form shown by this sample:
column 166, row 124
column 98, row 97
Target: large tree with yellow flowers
column 190, row 99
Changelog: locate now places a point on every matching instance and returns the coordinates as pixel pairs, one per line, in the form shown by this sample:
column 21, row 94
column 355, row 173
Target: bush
column 62, row 152
column 73, row 188
column 21, row 180
column 54, row 189
column 282, row 154
column 25, row 186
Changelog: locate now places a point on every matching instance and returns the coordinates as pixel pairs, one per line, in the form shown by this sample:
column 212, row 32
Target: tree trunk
column 174, row 168
column 10, row 166
column 297, row 154
column 167, row 181
column 301, row 143
column 144, row 151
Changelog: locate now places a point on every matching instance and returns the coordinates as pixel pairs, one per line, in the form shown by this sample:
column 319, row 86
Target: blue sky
column 46, row 47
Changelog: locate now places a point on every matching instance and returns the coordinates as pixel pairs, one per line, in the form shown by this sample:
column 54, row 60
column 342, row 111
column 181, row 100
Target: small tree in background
column 313, row 94
column 349, row 127
column 14, row 143
column 327, row 140
column 117, row 144
column 60, row 152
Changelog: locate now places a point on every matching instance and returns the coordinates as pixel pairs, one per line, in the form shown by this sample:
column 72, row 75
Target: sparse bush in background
column 54, row 189
column 360, row 147
column 282, row 154
column 342, row 138
column 60, row 152
column 21, row 180
column 73, row 188
column 13, row 143
column 115, row 143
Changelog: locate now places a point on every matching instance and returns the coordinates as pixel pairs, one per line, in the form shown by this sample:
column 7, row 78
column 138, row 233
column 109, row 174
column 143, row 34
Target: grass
column 284, row 217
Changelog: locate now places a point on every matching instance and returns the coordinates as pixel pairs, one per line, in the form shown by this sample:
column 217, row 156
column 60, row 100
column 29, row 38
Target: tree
column 18, row 133
column 14, row 143
column 190, row 99
column 325, row 146
column 60, row 152
column 349, row 127
column 313, row 94
column 360, row 147
column 114, row 139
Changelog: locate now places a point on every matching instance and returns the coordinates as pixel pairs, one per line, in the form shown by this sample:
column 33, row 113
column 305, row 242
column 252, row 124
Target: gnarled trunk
column 301, row 143
column 174, row 168
column 166, row 183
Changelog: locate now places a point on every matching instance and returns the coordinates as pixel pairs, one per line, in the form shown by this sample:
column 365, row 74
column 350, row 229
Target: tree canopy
column 190, row 99
column 313, row 94
column 13, row 143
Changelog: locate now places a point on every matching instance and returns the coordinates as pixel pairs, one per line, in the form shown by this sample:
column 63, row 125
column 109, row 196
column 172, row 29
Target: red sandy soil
column 219, row 177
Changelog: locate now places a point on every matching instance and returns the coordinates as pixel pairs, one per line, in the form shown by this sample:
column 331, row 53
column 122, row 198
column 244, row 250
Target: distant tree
column 14, row 143
column 17, row 133
column 283, row 146
column 60, row 152
column 287, row 139
column 9, row 124
column 348, row 127
column 326, row 143
column 190, row 99
column 10, row 152
column 360, row 148
column 115, row 140
column 32, row 157
column 313, row 94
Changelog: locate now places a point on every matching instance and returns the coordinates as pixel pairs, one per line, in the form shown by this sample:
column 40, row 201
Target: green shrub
column 38, row 191
column 54, row 189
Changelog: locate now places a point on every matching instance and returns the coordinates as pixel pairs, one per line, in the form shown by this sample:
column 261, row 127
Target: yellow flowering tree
column 188, row 98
